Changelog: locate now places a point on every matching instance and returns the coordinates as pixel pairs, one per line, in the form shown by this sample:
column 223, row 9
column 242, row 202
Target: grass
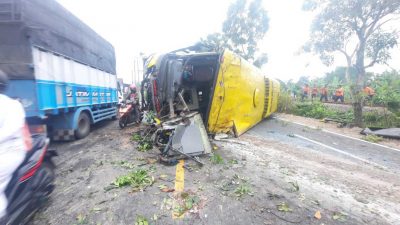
column 284, row 207
column 372, row 138
column 242, row 190
column 144, row 144
column 216, row 159
column 81, row 219
column 187, row 202
column 139, row 180
column 237, row 186
column 141, row 220
column 136, row 137
column 318, row 110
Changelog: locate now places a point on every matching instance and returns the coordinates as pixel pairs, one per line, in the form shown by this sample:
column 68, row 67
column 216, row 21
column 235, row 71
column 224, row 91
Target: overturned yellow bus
column 230, row 94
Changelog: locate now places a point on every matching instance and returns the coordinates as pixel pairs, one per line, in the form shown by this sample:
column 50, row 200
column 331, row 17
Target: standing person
column 314, row 93
column 15, row 140
column 306, row 91
column 369, row 91
column 133, row 97
column 324, row 93
column 339, row 94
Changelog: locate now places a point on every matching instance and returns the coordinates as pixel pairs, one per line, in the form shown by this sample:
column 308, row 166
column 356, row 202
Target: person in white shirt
column 14, row 140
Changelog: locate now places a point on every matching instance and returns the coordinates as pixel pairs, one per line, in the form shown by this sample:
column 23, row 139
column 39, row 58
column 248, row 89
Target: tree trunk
column 357, row 88
column 358, row 115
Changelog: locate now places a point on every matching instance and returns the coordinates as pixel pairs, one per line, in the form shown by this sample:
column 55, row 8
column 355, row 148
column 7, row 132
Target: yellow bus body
column 242, row 96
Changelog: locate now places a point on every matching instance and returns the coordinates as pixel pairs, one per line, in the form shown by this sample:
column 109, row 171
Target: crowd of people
column 337, row 95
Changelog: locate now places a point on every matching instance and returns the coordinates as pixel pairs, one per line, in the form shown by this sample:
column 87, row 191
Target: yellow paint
column 180, row 176
column 240, row 96
column 179, row 184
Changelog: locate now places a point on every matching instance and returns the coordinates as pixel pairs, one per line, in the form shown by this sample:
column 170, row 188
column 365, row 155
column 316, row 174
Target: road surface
column 277, row 173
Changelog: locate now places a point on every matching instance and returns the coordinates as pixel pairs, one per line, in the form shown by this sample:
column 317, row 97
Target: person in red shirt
column 324, row 94
column 339, row 94
column 314, row 93
column 306, row 91
column 369, row 91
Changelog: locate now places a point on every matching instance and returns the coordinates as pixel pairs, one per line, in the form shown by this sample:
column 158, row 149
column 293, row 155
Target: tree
column 246, row 24
column 357, row 29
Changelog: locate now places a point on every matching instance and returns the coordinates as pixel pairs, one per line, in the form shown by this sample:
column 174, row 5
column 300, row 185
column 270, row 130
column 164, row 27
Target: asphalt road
column 276, row 162
column 329, row 142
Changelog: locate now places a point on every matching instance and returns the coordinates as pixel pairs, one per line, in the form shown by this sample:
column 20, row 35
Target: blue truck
column 61, row 70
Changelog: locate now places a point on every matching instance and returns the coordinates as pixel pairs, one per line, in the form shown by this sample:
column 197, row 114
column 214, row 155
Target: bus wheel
column 83, row 129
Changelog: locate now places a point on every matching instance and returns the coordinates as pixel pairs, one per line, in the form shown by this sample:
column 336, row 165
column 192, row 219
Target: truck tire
column 83, row 128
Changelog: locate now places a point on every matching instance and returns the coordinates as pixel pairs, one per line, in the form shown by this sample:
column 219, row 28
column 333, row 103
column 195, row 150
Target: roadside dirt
column 260, row 180
column 333, row 127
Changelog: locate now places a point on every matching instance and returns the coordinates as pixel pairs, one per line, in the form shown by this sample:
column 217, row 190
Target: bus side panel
column 238, row 101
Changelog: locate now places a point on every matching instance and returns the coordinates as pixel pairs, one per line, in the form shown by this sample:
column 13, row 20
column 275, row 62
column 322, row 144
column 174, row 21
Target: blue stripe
column 56, row 95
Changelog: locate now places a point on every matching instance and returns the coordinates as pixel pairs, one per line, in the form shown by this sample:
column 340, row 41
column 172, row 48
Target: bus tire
column 83, row 126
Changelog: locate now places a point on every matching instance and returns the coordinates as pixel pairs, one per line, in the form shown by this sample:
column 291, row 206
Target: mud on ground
column 260, row 180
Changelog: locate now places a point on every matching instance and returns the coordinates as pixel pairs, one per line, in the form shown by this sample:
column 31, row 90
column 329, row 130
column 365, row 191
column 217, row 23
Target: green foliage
column 145, row 145
column 336, row 24
column 353, row 28
column 141, row 220
column 82, row 219
column 374, row 119
column 285, row 102
column 387, row 88
column 284, row 207
column 136, row 137
column 139, row 180
column 216, row 159
column 187, row 202
column 313, row 110
column 373, row 138
column 243, row 189
column 246, row 24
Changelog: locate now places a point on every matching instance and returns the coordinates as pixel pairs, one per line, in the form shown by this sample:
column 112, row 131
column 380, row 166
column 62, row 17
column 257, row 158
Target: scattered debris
column 317, row 215
column 233, row 161
column 284, row 207
column 372, row 138
column 291, row 135
column 216, row 159
column 186, row 202
column 124, row 164
column 145, row 145
column 81, row 219
column 221, row 136
column 165, row 188
column 316, row 202
column 136, row 137
column 339, row 216
column 295, row 186
column 237, row 186
column 242, row 190
column 138, row 179
column 141, row 220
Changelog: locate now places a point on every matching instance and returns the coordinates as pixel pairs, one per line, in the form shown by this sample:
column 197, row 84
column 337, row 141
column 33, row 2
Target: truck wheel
column 83, row 129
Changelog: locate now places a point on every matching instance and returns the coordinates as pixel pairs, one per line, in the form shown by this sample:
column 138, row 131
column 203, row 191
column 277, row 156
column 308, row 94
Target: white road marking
column 342, row 135
column 340, row 151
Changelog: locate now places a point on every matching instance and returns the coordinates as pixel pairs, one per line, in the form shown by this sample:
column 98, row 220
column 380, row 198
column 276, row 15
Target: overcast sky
column 151, row 26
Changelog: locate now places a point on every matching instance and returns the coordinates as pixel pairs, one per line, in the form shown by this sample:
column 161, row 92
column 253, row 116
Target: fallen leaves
column 317, row 215
column 284, row 207
column 339, row 216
